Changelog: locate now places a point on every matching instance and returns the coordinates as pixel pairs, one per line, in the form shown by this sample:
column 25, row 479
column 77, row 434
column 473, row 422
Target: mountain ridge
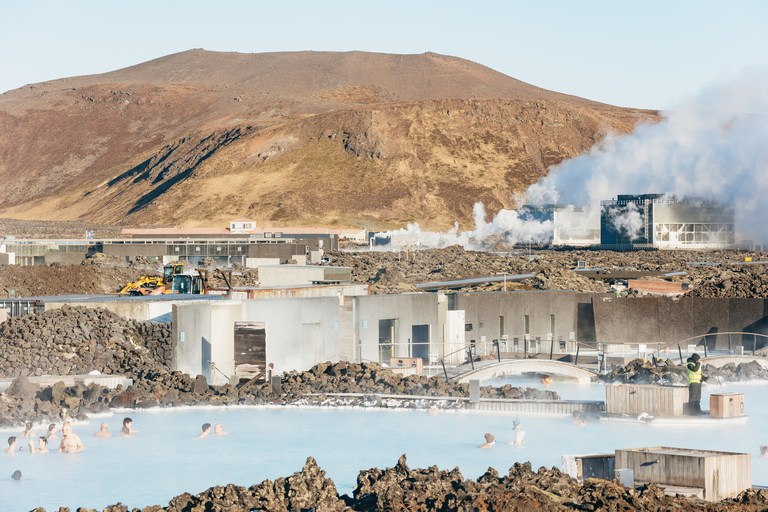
column 288, row 138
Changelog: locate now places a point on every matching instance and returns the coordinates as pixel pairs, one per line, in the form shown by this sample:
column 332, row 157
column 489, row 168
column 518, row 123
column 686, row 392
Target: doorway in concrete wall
column 250, row 349
column 420, row 342
column 386, row 340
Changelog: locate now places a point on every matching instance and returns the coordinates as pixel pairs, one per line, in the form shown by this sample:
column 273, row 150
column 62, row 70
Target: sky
column 649, row 54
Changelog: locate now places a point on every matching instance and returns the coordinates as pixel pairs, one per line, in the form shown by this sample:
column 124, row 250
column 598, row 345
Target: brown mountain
column 199, row 138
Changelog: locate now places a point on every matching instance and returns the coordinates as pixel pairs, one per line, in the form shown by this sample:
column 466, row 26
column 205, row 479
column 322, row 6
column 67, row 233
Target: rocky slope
column 200, row 138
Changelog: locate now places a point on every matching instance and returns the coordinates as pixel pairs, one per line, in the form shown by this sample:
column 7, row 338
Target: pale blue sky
column 647, row 54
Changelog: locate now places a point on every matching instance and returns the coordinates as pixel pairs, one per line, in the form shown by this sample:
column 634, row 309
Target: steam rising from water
column 713, row 146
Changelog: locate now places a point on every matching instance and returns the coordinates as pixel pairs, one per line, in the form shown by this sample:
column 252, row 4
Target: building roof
column 176, row 231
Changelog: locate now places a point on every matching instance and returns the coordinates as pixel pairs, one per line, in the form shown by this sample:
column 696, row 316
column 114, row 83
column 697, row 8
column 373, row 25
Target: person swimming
column 103, row 431
column 764, row 451
column 489, row 441
column 28, row 431
column 218, row 430
column 70, row 442
column 519, row 434
column 16, row 475
column 206, row 430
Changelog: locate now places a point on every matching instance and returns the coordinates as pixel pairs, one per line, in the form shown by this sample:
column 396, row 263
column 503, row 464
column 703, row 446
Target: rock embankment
column 401, row 488
column 638, row 371
column 77, row 340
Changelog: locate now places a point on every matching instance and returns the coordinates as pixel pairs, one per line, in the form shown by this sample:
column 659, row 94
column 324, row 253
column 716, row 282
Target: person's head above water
column 515, row 422
column 127, row 422
column 16, row 475
column 206, row 427
column 489, row 438
column 11, row 440
column 29, row 425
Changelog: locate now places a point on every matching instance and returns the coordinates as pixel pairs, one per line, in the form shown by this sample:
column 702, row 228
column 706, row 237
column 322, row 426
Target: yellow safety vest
column 694, row 377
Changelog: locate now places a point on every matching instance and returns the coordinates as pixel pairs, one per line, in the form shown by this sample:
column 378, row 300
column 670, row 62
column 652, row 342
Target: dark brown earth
column 305, row 138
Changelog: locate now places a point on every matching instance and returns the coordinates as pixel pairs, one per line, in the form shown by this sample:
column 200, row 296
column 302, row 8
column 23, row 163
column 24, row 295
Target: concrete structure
column 715, row 475
column 634, row 399
column 433, row 326
column 665, row 222
column 571, row 225
column 287, row 275
column 162, row 249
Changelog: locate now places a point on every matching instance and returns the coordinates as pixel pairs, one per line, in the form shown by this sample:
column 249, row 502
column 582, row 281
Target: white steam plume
column 713, row 146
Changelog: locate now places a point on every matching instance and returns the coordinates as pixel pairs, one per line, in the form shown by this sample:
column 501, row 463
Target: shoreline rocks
column 401, row 488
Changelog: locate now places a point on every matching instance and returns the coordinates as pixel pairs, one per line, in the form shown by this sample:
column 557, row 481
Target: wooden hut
column 713, row 475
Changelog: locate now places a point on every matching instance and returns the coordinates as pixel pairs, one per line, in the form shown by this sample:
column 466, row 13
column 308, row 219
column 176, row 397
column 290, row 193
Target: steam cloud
column 713, row 146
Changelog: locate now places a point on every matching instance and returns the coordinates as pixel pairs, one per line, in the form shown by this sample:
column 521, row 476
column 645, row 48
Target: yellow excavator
column 175, row 280
column 155, row 285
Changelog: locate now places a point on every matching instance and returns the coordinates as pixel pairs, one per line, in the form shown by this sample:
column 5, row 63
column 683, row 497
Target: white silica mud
column 166, row 458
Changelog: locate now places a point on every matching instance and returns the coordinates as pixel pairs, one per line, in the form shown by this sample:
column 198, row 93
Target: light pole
column 505, row 278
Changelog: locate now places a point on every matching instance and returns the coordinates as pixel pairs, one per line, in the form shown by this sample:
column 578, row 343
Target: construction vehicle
column 175, row 280
column 154, row 285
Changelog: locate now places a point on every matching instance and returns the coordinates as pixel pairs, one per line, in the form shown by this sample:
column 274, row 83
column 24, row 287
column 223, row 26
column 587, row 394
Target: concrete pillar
column 474, row 391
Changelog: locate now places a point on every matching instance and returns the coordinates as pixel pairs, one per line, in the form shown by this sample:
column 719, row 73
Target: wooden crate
column 720, row 474
column 595, row 465
column 726, row 405
column 654, row 400
column 415, row 363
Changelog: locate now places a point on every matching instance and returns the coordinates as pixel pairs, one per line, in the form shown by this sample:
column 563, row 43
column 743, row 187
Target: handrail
column 708, row 334
column 526, row 337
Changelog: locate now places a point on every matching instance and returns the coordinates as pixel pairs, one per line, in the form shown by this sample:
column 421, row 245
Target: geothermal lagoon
column 166, row 458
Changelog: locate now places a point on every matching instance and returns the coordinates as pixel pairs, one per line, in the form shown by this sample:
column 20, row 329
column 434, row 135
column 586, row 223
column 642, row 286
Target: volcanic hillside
column 200, row 138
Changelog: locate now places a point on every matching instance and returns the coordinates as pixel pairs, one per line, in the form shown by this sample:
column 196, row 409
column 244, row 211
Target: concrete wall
column 132, row 250
column 300, row 332
column 662, row 320
column 192, row 333
column 65, row 258
column 143, row 311
column 407, row 311
column 224, row 314
column 484, row 310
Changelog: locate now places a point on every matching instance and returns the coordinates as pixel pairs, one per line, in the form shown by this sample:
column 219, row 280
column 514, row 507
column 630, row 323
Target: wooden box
column 726, row 405
column 415, row 363
column 654, row 400
column 719, row 474
column 596, row 465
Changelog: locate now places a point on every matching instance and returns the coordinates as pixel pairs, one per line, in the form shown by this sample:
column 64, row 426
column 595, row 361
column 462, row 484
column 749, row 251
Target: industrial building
column 571, row 225
column 666, row 222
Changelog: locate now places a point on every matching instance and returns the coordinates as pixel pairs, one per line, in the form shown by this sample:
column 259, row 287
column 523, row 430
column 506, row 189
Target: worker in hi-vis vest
column 695, row 378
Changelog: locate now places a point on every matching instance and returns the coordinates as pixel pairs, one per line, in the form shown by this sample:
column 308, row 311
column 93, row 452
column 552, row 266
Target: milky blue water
column 166, row 458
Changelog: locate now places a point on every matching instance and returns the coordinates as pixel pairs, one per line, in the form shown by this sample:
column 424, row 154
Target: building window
column 468, row 327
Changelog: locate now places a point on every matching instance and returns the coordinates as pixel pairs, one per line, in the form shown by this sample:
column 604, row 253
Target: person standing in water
column 42, row 445
column 127, row 431
column 52, row 432
column 519, row 434
column 70, row 442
